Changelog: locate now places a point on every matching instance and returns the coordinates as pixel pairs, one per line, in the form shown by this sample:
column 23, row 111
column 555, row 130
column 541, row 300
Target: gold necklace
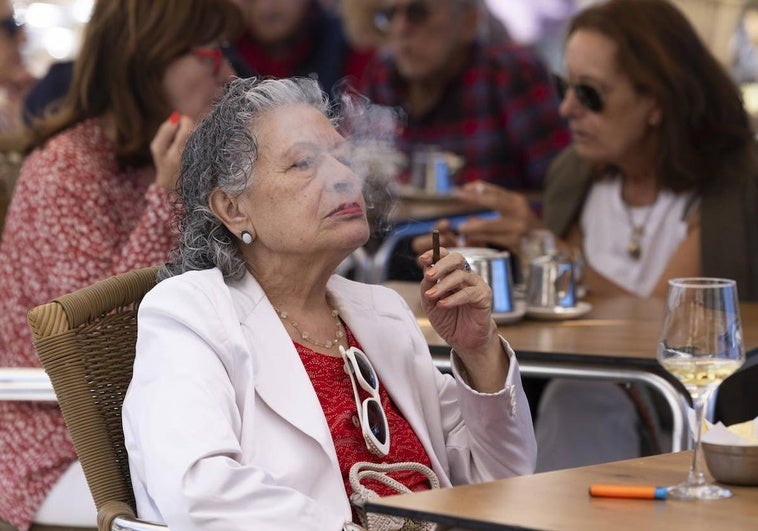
column 634, row 248
column 305, row 336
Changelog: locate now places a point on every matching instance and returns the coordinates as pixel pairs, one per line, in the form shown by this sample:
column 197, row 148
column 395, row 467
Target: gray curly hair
column 221, row 153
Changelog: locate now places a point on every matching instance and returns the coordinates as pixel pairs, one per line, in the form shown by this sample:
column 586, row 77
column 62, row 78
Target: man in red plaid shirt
column 492, row 103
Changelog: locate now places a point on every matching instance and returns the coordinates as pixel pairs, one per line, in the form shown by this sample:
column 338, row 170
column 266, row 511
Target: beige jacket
column 224, row 429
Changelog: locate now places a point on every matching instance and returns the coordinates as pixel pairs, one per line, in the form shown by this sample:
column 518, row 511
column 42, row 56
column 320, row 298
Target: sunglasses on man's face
column 373, row 420
column 415, row 14
column 588, row 96
column 10, row 26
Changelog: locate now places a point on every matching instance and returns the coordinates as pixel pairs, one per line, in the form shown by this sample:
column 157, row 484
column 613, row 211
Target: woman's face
column 273, row 21
column 423, row 49
column 193, row 81
column 304, row 199
column 622, row 130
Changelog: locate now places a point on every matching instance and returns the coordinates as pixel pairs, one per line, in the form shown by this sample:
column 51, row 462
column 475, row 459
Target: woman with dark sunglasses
column 661, row 181
column 262, row 378
column 95, row 198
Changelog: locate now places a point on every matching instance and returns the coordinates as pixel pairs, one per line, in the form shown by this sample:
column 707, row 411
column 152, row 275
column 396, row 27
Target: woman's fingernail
column 174, row 118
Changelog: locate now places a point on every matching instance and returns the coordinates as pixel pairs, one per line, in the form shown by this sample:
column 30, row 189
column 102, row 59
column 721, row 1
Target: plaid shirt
column 500, row 113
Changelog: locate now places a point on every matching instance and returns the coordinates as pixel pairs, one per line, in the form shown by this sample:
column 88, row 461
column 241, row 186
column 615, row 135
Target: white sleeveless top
column 607, row 233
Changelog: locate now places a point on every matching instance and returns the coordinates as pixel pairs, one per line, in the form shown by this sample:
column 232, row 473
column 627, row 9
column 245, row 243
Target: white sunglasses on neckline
column 371, row 415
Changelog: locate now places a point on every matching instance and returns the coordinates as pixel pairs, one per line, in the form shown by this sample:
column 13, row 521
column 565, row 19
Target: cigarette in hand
column 435, row 246
column 642, row 492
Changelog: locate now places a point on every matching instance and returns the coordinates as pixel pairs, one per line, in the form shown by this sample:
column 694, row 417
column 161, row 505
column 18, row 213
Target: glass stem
column 696, row 476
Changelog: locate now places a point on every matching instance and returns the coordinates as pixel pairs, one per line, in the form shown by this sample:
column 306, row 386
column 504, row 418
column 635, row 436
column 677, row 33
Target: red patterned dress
column 76, row 217
column 335, row 393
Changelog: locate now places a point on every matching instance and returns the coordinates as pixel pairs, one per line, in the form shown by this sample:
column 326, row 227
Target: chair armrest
column 22, row 384
column 119, row 516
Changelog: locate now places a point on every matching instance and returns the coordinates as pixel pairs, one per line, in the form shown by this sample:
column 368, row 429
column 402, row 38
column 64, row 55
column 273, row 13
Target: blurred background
column 54, row 26
column 53, row 30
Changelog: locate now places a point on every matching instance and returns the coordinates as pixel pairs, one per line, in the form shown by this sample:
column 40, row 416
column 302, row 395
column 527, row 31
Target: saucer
column 557, row 314
column 504, row 318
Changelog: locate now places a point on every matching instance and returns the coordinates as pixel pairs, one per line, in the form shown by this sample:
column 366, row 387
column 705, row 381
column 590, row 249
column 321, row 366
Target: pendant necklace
column 634, row 248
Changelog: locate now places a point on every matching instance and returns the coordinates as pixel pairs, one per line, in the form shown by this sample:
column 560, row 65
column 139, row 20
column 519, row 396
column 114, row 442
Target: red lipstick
column 346, row 209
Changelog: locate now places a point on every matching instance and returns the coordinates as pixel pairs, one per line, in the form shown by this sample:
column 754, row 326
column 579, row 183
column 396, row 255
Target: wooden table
column 559, row 500
column 616, row 327
column 616, row 341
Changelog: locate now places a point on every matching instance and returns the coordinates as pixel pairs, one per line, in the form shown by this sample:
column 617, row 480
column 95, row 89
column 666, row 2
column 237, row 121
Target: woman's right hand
column 167, row 146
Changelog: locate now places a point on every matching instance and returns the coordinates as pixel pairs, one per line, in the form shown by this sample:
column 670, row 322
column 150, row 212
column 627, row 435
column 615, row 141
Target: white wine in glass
column 701, row 345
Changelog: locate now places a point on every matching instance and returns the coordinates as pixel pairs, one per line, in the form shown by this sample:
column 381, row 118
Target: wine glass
column 701, row 345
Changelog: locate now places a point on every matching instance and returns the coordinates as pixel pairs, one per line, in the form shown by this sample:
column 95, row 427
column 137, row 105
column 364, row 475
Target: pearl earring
column 247, row 238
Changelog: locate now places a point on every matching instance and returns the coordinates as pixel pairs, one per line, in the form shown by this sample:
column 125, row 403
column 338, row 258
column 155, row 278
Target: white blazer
column 225, row 432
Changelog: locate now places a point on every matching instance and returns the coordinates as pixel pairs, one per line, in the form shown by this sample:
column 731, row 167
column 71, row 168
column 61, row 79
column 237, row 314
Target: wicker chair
column 86, row 343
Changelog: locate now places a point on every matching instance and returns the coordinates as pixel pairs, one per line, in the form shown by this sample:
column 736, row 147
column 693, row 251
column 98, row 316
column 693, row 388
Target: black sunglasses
column 415, row 13
column 10, row 26
column 587, row 95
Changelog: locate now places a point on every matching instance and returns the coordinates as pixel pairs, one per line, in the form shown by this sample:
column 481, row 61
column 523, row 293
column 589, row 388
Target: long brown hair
column 704, row 121
column 127, row 46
